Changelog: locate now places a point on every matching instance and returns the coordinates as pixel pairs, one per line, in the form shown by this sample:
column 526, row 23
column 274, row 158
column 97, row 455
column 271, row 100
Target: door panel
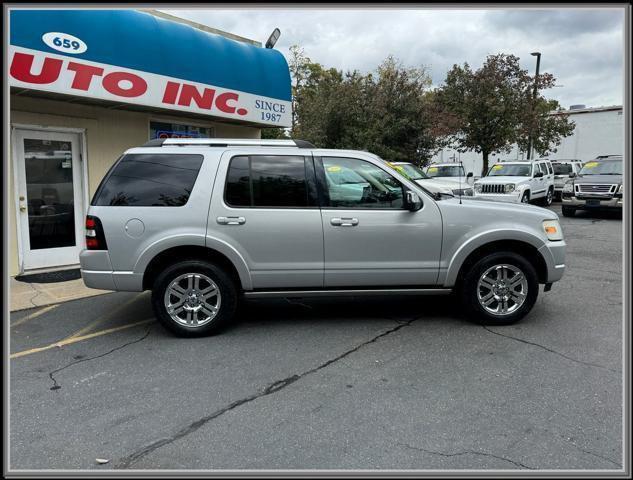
column 50, row 197
column 379, row 243
column 268, row 217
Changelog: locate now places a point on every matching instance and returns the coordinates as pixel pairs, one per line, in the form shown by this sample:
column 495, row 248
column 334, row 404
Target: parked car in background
column 203, row 223
column 434, row 185
column 449, row 171
column 563, row 169
column 599, row 185
column 518, row 181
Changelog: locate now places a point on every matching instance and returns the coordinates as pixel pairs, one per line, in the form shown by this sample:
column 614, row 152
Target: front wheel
column 525, row 198
column 194, row 298
column 500, row 289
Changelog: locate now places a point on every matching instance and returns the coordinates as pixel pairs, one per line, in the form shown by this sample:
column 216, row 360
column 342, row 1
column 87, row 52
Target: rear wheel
column 499, row 289
column 194, row 298
column 549, row 197
column 568, row 211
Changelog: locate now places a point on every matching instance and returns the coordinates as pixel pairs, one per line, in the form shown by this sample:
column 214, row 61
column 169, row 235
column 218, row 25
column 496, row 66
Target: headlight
column 477, row 187
column 468, row 192
column 509, row 188
column 552, row 230
column 621, row 189
column 568, row 187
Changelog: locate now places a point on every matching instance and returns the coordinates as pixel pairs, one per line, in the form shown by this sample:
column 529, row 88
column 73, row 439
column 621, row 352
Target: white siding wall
column 596, row 133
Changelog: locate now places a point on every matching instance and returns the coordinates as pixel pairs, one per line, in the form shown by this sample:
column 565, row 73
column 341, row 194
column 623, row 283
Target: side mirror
column 414, row 202
column 572, row 175
column 538, row 174
column 470, row 174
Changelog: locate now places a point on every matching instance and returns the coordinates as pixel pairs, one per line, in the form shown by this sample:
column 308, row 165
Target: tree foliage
column 386, row 112
column 494, row 107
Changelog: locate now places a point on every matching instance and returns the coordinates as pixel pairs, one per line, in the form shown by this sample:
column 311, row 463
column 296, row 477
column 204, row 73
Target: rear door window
column 149, row 180
column 274, row 181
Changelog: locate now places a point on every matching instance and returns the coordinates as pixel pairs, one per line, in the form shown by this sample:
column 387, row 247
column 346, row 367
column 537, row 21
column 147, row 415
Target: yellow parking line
column 69, row 340
column 99, row 320
column 34, row 315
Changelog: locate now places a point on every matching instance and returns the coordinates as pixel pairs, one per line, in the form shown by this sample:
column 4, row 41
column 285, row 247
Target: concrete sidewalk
column 23, row 295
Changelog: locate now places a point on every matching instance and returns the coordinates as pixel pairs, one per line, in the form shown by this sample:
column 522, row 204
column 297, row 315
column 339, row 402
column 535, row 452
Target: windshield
column 602, row 167
column 562, row 168
column 445, row 171
column 510, row 169
column 408, row 170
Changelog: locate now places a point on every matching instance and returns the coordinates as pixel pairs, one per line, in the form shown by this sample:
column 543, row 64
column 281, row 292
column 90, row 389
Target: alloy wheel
column 192, row 300
column 502, row 289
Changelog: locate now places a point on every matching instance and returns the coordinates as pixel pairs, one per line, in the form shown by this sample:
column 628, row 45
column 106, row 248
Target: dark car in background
column 598, row 186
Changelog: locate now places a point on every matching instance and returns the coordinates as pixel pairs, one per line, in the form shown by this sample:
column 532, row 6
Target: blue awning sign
column 133, row 57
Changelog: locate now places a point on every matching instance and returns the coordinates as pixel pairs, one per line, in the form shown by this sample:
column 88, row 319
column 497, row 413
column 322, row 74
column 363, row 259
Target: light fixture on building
column 270, row 43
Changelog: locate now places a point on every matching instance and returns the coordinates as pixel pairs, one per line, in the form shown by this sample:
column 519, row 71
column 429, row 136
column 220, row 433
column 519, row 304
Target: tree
column 385, row 113
column 494, row 107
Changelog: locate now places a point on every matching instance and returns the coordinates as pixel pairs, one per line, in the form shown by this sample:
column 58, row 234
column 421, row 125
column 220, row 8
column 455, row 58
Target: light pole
column 538, row 65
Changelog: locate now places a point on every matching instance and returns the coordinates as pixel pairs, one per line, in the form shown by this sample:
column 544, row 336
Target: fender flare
column 200, row 240
column 482, row 239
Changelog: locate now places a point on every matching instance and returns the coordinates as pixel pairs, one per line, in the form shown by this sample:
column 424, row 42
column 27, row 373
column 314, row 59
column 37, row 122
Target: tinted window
column 143, row 180
column 353, row 183
column 511, row 169
column 562, row 168
column 267, row 181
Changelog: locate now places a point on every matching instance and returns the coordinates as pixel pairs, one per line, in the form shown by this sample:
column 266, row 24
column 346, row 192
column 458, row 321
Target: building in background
column 598, row 131
column 85, row 85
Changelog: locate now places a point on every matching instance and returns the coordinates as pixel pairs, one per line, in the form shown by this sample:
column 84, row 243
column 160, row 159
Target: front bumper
column 554, row 255
column 593, row 202
column 514, row 197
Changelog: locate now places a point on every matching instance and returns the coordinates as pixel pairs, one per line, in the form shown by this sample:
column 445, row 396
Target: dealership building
column 85, row 85
column 597, row 131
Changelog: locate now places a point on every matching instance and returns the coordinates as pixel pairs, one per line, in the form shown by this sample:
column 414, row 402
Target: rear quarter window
column 149, row 180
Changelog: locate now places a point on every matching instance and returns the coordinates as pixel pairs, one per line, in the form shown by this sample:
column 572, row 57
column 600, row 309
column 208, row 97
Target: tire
column 471, row 290
column 196, row 314
column 549, row 197
column 568, row 211
column 525, row 198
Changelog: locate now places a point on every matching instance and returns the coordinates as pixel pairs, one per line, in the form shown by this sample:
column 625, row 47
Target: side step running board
column 347, row 293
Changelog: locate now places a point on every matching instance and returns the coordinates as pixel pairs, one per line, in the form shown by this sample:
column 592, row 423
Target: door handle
column 231, row 220
column 344, row 222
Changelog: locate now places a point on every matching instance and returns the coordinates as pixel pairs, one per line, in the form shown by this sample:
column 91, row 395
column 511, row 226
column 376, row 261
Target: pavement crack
column 276, row 386
column 467, row 452
column 596, row 455
column 551, row 350
column 51, row 375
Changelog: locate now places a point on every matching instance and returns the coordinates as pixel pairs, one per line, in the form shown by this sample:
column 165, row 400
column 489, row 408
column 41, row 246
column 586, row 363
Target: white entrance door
column 50, row 197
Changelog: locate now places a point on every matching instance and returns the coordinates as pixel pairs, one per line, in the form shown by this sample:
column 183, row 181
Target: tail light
column 95, row 238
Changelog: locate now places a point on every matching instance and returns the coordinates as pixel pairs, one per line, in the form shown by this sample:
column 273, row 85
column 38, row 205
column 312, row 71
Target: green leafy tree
column 386, row 113
column 494, row 107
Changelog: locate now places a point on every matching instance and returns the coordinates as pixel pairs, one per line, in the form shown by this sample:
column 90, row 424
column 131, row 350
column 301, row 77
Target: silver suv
column 203, row 222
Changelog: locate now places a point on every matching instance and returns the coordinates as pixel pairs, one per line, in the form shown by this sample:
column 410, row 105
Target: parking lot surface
column 399, row 383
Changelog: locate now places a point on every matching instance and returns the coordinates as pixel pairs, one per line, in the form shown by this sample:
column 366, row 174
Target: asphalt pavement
column 400, row 383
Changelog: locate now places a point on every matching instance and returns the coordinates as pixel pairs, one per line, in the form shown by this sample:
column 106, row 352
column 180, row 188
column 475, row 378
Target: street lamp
column 538, row 65
column 270, row 43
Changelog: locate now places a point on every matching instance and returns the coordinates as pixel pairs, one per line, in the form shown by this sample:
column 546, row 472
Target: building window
column 177, row 130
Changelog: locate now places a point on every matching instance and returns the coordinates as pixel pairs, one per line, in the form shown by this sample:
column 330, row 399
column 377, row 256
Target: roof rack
column 228, row 142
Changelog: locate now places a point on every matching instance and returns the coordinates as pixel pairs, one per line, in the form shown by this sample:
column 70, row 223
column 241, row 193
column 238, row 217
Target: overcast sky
column 582, row 47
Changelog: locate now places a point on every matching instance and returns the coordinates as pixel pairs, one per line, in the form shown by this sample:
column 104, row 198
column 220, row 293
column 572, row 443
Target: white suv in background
column 449, row 171
column 518, row 181
column 563, row 171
